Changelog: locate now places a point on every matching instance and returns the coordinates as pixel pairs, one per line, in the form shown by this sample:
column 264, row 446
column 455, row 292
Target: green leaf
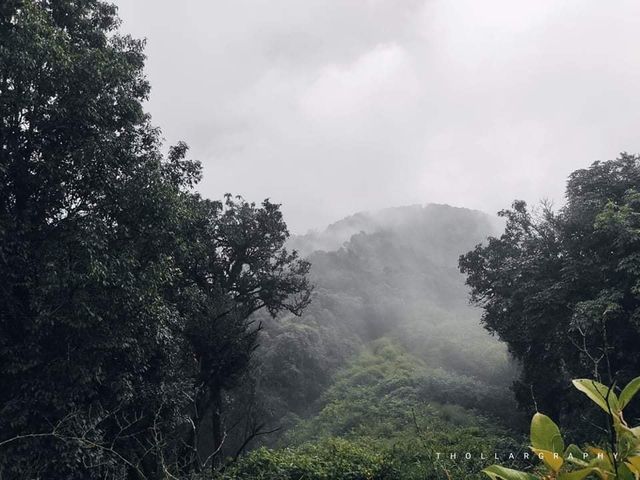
column 552, row 460
column 577, row 457
column 545, row 434
column 496, row 472
column 603, row 462
column 634, row 464
column 577, row 474
column 599, row 393
column 629, row 391
column 626, row 473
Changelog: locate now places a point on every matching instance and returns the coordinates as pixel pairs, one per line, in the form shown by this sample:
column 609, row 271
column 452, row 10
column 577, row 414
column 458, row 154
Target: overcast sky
column 332, row 107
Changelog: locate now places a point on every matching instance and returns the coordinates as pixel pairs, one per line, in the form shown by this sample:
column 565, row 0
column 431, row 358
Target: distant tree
column 562, row 289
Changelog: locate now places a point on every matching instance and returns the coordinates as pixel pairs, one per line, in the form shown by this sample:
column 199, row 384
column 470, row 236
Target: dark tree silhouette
column 562, row 288
column 124, row 295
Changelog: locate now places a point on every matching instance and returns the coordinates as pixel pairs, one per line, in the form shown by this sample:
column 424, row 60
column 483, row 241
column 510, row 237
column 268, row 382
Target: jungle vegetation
column 147, row 332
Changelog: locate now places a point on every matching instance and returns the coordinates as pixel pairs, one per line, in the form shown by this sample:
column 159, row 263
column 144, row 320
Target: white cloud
column 336, row 106
column 382, row 80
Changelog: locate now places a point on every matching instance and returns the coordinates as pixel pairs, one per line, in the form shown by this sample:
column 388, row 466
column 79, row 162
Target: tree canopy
column 561, row 287
column 123, row 290
column 132, row 308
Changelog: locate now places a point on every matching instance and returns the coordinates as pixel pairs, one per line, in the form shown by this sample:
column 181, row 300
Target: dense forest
column 147, row 332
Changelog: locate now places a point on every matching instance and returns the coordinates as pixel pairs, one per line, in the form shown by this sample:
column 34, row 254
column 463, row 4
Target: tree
column 561, row 288
column 124, row 295
column 236, row 265
column 89, row 211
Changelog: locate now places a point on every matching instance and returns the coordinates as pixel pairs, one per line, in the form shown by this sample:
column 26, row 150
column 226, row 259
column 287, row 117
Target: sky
column 332, row 107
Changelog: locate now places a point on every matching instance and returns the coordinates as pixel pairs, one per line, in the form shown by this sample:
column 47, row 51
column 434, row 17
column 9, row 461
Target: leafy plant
column 404, row 415
column 332, row 459
column 557, row 285
column 620, row 460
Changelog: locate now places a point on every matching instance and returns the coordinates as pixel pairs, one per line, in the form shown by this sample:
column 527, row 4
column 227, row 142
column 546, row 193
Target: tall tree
column 562, row 288
column 124, row 295
column 236, row 265
column 88, row 216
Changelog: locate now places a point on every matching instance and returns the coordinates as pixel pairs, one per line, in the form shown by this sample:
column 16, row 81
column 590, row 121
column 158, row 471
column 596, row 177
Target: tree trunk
column 217, row 429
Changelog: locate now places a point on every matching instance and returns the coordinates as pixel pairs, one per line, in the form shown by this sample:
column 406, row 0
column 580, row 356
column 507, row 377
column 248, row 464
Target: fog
column 336, row 107
column 148, row 333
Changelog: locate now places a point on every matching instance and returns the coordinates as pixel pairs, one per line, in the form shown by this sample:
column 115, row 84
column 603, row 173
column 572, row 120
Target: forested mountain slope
column 394, row 279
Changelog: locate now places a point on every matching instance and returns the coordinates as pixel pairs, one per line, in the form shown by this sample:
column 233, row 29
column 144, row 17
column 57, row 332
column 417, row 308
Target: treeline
column 126, row 299
column 562, row 289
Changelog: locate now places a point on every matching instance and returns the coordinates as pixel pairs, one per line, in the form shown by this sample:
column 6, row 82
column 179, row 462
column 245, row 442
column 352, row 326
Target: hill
column 394, row 278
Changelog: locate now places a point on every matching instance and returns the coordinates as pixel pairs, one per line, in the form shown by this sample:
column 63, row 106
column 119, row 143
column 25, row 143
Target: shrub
column 620, row 460
column 331, row 459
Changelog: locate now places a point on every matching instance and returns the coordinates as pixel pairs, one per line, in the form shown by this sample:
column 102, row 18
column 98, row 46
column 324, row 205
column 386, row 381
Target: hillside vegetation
column 150, row 333
column 388, row 350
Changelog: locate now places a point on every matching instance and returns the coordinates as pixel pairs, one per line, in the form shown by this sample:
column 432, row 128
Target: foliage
column 394, row 278
column 620, row 460
column 405, row 459
column 89, row 211
column 561, row 288
column 392, row 386
column 124, row 293
column 383, row 405
column 351, row 459
column 332, row 459
column 236, row 265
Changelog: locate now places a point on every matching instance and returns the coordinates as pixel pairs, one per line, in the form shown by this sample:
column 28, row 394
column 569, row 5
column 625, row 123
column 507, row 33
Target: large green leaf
column 599, row 393
column 496, row 472
column 629, row 391
column 577, row 456
column 634, row 464
column 577, row 474
column 545, row 435
column 552, row 460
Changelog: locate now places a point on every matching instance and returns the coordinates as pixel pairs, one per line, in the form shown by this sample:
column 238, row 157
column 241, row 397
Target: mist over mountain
column 427, row 219
column 158, row 320
column 387, row 276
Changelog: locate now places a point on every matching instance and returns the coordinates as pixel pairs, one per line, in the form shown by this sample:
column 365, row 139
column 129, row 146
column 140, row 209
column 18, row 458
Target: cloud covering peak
column 332, row 107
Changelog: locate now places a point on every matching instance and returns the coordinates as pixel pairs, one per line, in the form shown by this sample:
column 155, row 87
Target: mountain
column 430, row 217
column 387, row 276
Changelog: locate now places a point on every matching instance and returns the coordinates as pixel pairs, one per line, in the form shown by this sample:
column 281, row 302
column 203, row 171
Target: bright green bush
column 385, row 388
column 620, row 460
column 332, row 459
column 380, row 421
column 366, row 459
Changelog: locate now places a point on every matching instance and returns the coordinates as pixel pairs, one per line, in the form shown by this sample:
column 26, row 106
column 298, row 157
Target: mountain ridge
column 334, row 235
